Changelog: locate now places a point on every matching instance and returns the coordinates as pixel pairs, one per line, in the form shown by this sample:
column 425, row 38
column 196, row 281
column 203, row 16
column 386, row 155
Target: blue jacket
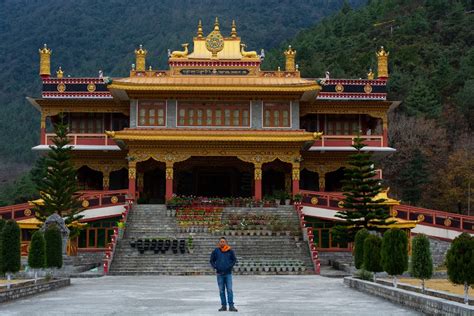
column 223, row 262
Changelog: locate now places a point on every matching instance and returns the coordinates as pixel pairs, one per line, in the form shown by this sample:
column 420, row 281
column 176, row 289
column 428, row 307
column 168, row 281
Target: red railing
column 83, row 139
column 348, row 140
column 110, row 251
column 90, row 199
column 440, row 219
column 309, row 236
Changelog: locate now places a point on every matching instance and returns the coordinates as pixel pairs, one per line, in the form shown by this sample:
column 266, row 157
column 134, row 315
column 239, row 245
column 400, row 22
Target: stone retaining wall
column 419, row 302
column 19, row 291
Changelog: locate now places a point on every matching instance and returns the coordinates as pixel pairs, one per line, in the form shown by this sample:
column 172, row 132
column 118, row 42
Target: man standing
column 223, row 260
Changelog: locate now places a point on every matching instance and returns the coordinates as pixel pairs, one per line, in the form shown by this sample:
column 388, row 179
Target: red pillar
column 385, row 136
column 169, row 182
column 296, row 179
column 132, row 174
column 258, row 182
column 43, row 130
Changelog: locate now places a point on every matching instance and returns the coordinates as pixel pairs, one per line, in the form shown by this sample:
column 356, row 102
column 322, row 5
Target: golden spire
column 45, row 61
column 290, row 55
column 370, row 75
column 216, row 24
column 382, row 63
column 199, row 32
column 233, row 32
column 59, row 73
column 140, row 55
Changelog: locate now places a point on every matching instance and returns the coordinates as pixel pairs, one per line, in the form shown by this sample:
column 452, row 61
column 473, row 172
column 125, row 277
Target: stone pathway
column 198, row 295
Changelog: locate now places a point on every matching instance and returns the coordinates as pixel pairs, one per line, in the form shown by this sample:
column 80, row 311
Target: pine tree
column 422, row 101
column 57, row 183
column 37, row 252
column 414, row 177
column 421, row 261
column 360, row 237
column 394, row 253
column 11, row 249
column 359, row 189
column 372, row 259
column 460, row 262
column 54, row 247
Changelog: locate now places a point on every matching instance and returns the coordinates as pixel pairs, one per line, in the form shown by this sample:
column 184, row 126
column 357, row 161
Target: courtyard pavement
column 198, row 295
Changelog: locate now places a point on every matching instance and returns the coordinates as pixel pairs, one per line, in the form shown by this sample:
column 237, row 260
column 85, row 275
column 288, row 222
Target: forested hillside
column 88, row 35
column 431, row 67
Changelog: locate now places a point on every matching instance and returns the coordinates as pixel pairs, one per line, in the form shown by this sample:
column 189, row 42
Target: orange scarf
column 225, row 248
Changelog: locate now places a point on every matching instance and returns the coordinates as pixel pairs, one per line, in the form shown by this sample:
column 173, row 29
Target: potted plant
column 297, row 198
column 287, row 197
column 190, row 244
column 121, row 228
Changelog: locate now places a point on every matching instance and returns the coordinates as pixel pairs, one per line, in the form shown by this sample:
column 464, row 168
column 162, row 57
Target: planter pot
column 287, row 202
column 288, row 233
column 191, row 250
column 173, row 213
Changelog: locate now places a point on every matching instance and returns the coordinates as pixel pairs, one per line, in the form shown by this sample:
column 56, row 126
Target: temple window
column 225, row 114
column 276, row 114
column 86, row 123
column 151, row 113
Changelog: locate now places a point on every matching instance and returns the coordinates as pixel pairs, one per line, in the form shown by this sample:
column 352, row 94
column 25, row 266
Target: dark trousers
column 224, row 281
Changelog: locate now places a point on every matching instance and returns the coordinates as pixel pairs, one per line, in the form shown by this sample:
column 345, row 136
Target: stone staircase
column 151, row 221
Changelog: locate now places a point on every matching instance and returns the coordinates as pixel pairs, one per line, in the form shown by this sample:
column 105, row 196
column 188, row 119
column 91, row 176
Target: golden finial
column 370, row 75
column 45, row 61
column 233, row 32
column 382, row 63
column 150, row 69
column 140, row 55
column 290, row 55
column 199, row 32
column 59, row 73
column 216, row 24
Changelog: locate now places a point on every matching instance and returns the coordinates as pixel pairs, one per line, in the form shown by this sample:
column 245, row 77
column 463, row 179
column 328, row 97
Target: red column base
column 296, row 187
column 258, row 190
column 132, row 188
column 169, row 189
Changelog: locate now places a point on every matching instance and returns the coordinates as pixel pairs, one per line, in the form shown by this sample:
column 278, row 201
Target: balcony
column 345, row 142
column 82, row 141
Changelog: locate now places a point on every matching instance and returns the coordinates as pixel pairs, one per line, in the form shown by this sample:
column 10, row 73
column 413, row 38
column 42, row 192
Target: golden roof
column 215, row 83
column 384, row 195
column 228, row 135
column 396, row 223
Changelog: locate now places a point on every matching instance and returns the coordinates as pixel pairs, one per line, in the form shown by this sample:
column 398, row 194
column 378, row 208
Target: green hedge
column 359, row 247
column 37, row 251
column 54, row 247
column 11, row 247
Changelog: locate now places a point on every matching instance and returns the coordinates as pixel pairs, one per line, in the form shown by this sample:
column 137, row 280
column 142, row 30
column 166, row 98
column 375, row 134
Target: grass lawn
column 439, row 285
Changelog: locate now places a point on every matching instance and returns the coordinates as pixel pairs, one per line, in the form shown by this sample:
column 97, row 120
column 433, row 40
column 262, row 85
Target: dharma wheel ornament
column 215, row 40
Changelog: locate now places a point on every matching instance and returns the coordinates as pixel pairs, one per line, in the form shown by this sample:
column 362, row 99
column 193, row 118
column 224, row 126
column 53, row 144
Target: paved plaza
column 198, row 295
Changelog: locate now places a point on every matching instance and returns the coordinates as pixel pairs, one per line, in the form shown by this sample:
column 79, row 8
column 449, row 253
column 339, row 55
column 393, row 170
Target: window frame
column 215, row 107
column 280, row 115
column 163, row 106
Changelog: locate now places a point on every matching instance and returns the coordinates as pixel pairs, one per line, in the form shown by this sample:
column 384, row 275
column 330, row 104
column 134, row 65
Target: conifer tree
column 460, row 262
column 37, row 252
column 422, row 101
column 11, row 249
column 359, row 189
column 421, row 261
column 414, row 177
column 2, row 224
column 57, row 184
column 54, row 247
column 394, row 253
column 360, row 237
column 372, row 260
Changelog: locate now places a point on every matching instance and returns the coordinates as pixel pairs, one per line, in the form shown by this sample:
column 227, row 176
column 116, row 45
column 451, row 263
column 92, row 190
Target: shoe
column 232, row 309
column 223, row 308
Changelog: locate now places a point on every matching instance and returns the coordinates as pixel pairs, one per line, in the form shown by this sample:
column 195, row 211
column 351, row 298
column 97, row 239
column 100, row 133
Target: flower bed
column 177, row 202
column 199, row 219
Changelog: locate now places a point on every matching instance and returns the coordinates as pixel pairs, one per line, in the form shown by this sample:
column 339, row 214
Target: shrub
column 421, row 261
column 372, row 261
column 11, row 248
column 394, row 253
column 2, row 223
column 54, row 247
column 364, row 275
column 460, row 262
column 359, row 247
column 37, row 251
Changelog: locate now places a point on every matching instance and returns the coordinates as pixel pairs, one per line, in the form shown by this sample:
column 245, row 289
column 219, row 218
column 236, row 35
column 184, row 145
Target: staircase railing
column 309, row 237
column 110, row 252
column 435, row 218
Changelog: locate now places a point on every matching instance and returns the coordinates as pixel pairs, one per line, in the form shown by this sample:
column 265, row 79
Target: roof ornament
column 290, row 55
column 216, row 24
column 101, row 74
column 370, row 74
column 169, row 53
column 233, row 32
column 199, row 31
column 180, row 53
column 327, row 75
column 140, row 56
column 215, row 40
column 262, row 54
column 59, row 73
column 249, row 54
column 45, row 61
column 382, row 63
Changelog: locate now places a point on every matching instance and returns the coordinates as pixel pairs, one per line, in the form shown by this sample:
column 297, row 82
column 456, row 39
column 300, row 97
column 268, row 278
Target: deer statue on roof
column 179, row 53
column 250, row 54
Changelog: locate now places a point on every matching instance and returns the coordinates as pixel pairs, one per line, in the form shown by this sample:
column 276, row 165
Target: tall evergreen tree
column 422, row 101
column 414, row 177
column 37, row 252
column 394, row 253
column 372, row 256
column 460, row 262
column 11, row 248
column 359, row 189
column 57, row 184
column 54, row 248
column 421, row 261
column 359, row 240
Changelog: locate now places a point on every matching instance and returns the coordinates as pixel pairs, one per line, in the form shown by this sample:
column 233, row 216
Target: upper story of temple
column 215, row 88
